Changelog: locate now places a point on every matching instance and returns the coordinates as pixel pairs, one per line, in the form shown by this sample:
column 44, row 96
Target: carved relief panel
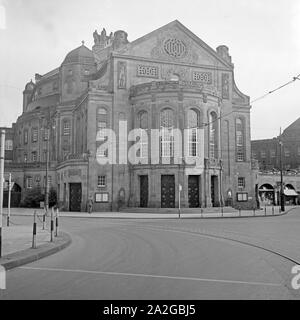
column 225, row 85
column 122, row 74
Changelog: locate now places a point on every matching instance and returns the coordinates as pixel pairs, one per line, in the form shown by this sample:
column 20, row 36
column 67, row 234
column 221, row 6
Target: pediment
column 174, row 43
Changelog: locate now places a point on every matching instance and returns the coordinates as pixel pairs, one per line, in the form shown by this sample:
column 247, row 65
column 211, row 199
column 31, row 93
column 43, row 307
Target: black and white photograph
column 150, row 152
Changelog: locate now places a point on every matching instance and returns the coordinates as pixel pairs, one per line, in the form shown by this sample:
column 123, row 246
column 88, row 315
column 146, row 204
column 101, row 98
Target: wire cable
column 280, row 87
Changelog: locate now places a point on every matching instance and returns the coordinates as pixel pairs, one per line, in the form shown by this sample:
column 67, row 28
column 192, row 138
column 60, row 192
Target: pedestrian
column 90, row 205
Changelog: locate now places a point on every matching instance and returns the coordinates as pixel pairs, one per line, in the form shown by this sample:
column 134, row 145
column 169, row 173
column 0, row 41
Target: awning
column 290, row 192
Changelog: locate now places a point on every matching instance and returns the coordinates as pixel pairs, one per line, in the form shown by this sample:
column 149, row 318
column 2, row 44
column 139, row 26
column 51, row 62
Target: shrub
column 34, row 196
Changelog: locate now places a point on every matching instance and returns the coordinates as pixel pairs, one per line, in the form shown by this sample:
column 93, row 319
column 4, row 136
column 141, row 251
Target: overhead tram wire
column 251, row 102
column 280, row 87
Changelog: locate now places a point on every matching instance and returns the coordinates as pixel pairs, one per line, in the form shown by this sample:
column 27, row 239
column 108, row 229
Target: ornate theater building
column 168, row 79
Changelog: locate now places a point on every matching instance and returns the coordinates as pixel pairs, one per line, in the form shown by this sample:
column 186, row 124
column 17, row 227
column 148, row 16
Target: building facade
column 168, row 79
column 267, row 151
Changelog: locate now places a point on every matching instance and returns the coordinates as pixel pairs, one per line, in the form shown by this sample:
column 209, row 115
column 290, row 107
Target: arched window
column 193, row 124
column 101, row 121
column 213, row 135
column 240, row 139
column 143, row 120
column 167, row 137
column 143, row 124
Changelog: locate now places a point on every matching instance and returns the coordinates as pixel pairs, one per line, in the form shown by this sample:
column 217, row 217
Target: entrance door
column 214, row 191
column 167, row 191
column 193, row 191
column 75, row 196
column 144, row 191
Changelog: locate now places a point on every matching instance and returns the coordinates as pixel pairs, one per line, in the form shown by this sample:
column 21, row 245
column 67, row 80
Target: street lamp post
column 47, row 170
column 2, row 133
column 282, row 200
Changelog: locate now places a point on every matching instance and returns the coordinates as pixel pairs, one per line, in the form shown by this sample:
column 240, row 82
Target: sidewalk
column 17, row 245
column 18, row 238
column 127, row 215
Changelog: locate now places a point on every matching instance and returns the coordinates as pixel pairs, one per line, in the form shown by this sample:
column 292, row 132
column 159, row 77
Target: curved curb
column 20, row 258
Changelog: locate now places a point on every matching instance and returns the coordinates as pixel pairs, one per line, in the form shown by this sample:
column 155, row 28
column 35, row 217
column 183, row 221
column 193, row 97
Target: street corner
column 19, row 258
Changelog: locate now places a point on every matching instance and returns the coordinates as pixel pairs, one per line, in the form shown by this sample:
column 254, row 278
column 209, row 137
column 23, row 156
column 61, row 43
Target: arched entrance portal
column 291, row 196
column 15, row 197
column 266, row 194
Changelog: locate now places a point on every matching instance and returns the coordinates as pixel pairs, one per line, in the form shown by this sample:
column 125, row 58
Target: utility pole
column 282, row 200
column 47, row 169
column 9, row 198
column 2, row 142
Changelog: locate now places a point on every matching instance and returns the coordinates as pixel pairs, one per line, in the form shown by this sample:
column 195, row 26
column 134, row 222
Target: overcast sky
column 263, row 37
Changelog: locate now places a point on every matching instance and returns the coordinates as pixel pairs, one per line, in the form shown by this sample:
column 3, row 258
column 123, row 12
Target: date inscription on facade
column 204, row 77
column 147, row 71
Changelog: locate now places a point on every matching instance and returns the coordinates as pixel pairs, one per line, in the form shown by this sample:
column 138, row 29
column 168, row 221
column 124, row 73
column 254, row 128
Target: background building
column 167, row 79
column 267, row 153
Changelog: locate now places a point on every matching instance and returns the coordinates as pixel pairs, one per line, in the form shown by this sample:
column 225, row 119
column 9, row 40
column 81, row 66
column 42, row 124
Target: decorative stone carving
column 181, row 72
column 173, row 46
column 122, row 74
column 204, row 77
column 147, row 71
column 225, row 85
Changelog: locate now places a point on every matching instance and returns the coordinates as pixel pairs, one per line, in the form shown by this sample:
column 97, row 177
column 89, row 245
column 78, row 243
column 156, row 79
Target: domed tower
column 27, row 93
column 78, row 63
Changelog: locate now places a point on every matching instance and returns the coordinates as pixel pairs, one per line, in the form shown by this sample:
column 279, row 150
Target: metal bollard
column 34, row 231
column 44, row 221
column 273, row 210
column 222, row 210
column 265, row 210
column 56, row 223
column 239, row 211
column 7, row 221
column 51, row 226
column 254, row 212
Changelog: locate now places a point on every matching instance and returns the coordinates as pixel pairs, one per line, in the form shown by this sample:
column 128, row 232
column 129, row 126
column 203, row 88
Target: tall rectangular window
column 25, row 136
column 34, row 156
column 101, row 181
column 240, row 139
column 287, row 152
column 241, row 182
column 8, row 145
column 66, row 128
column 101, row 122
column 167, row 135
column 34, row 135
column 193, row 142
column 29, row 182
column 272, row 153
column 263, row 154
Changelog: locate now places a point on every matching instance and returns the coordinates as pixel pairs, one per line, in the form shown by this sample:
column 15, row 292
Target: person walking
column 90, row 205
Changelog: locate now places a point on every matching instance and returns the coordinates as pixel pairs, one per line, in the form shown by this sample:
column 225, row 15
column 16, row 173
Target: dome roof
column 29, row 86
column 81, row 54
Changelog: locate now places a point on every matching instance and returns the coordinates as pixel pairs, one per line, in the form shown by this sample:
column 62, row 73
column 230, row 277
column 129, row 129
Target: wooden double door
column 193, row 191
column 75, row 197
column 144, row 191
column 168, row 191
